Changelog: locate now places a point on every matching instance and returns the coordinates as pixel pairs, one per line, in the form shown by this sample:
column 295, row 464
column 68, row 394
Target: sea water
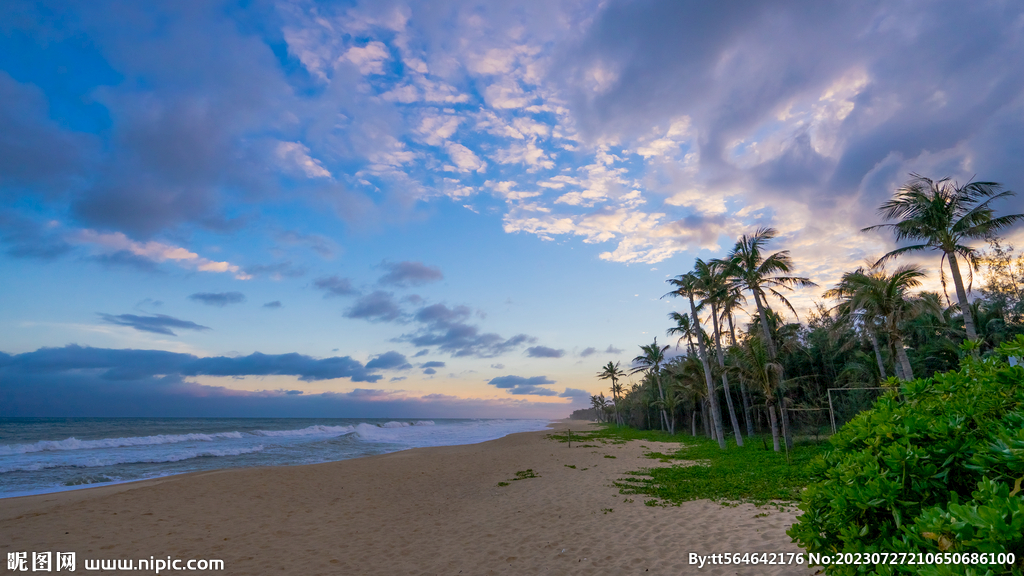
column 40, row 455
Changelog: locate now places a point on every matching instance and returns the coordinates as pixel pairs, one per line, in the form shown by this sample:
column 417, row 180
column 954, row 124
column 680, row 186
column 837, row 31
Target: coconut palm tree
column 763, row 275
column 945, row 215
column 732, row 300
column 752, row 360
column 669, row 403
column 611, row 372
column 689, row 285
column 650, row 362
column 683, row 328
column 876, row 296
column 715, row 282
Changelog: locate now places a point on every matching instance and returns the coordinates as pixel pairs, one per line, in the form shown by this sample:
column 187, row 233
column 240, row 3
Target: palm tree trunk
column 693, row 422
column 765, row 331
column 774, row 427
column 961, row 296
column 901, row 352
column 878, row 353
column 772, row 354
column 716, row 416
column 725, row 378
column 661, row 396
column 744, row 395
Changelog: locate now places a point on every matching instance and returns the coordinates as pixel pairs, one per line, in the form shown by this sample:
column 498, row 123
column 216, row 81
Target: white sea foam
column 76, row 444
column 99, row 462
column 316, row 430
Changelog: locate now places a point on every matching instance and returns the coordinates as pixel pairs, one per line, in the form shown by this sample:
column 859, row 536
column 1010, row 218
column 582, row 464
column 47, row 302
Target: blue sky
column 443, row 208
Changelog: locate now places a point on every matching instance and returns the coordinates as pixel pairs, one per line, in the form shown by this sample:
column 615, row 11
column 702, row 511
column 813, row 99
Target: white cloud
column 370, row 58
column 154, row 251
column 527, row 153
column 464, row 158
column 436, row 129
column 295, row 156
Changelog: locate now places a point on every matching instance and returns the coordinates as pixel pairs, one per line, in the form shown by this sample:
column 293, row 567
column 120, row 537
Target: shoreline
column 370, row 447
column 435, row 510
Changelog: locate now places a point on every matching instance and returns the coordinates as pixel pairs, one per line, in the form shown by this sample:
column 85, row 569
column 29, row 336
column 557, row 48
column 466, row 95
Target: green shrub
column 935, row 466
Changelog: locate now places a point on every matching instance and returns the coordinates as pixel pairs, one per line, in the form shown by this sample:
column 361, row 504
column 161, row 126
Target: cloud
column 441, row 316
column 276, row 271
column 518, row 385
column 335, row 286
column 588, row 351
column 378, row 306
column 128, row 364
column 158, row 323
column 406, row 274
column 613, row 350
column 498, row 366
column 430, row 371
column 576, row 394
column 220, row 299
column 432, row 364
column 27, row 238
column 389, row 361
column 274, row 304
column 157, row 252
column 544, row 352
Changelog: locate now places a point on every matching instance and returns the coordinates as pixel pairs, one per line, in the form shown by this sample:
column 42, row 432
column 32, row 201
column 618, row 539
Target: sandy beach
column 422, row 511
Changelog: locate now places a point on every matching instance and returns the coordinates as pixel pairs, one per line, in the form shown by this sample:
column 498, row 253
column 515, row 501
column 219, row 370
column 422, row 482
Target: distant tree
column 611, row 372
column 650, row 362
column 689, row 286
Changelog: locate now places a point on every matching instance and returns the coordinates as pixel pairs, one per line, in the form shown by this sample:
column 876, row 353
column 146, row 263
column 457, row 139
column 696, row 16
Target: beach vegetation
column 916, row 390
column 739, row 474
column 935, row 466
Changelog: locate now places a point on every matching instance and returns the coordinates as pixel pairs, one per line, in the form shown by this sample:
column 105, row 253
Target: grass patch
column 609, row 456
column 522, row 475
column 747, row 474
column 573, row 466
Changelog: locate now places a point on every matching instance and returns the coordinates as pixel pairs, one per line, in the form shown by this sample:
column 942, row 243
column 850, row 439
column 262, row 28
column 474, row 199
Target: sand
column 422, row 511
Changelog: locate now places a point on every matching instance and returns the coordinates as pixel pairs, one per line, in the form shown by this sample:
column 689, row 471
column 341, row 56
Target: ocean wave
column 76, row 444
column 316, row 430
column 140, row 459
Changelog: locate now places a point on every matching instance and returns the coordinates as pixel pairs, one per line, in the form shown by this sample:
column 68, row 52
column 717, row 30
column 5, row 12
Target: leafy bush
column 935, row 466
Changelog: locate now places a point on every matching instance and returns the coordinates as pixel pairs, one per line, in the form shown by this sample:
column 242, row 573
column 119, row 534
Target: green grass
column 747, row 474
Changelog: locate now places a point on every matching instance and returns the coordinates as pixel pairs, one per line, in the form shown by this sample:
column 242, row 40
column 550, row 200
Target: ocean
column 41, row 455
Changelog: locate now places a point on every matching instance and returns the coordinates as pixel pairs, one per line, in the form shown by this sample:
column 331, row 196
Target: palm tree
column 669, row 403
column 715, row 283
column 762, row 275
column 945, row 215
column 875, row 296
column 612, row 372
column 754, row 363
column 732, row 300
column 598, row 403
column 689, row 286
column 684, row 328
column 650, row 362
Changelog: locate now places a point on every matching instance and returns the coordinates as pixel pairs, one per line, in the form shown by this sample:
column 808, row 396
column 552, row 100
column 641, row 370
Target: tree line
column 873, row 329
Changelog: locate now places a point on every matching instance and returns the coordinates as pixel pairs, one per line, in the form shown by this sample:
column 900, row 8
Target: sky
column 447, row 208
